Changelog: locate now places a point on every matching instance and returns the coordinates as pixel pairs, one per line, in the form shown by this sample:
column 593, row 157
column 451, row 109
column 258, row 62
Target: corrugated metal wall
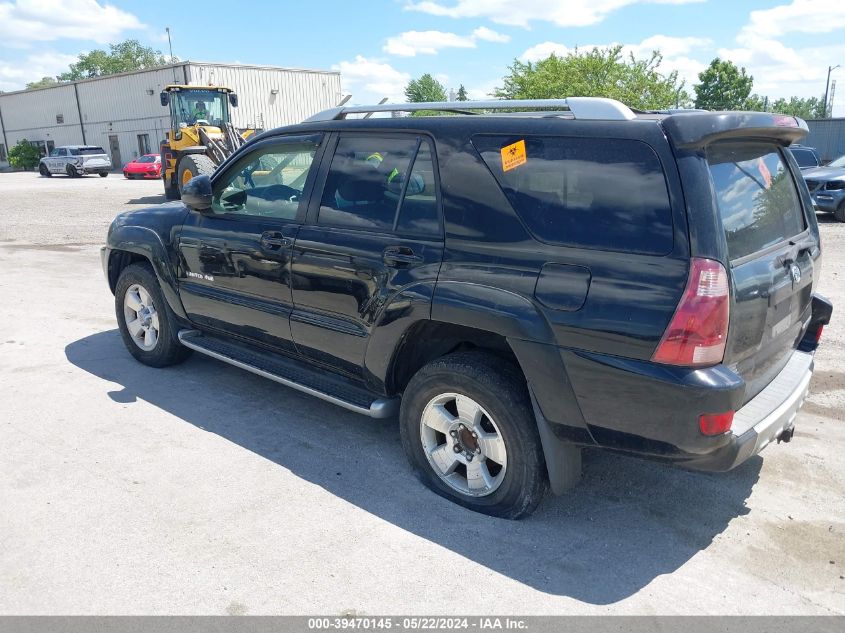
column 32, row 115
column 117, row 110
column 271, row 97
column 827, row 136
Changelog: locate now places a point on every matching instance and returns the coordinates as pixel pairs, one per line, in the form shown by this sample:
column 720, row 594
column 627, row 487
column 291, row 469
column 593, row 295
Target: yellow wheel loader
column 201, row 134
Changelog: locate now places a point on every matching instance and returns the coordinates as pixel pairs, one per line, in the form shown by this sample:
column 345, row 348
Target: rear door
column 374, row 231
column 772, row 256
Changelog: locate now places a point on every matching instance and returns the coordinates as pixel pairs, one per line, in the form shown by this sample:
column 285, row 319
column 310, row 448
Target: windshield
column 192, row 106
column 839, row 162
column 146, row 159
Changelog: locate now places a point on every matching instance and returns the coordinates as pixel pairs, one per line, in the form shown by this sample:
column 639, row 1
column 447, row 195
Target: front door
column 114, row 147
column 373, row 232
column 235, row 257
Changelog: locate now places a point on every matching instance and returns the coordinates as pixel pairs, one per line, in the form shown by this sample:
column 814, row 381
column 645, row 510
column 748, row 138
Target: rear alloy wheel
column 146, row 324
column 104, row 174
column 468, row 429
column 839, row 214
column 465, row 449
column 42, row 169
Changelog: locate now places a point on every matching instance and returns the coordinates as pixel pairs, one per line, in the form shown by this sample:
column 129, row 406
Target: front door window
column 269, row 182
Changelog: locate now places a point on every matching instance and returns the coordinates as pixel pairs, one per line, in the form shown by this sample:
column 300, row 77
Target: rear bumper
column 653, row 410
column 764, row 418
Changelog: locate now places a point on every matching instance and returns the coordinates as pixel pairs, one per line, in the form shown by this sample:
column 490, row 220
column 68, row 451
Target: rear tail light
column 698, row 332
column 716, row 423
column 819, row 333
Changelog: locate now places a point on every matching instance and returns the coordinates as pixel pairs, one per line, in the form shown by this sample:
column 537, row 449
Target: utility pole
column 827, row 86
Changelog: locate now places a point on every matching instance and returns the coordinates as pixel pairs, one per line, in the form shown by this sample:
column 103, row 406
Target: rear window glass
column 607, row 194
column 90, row 151
column 756, row 194
column 805, row 158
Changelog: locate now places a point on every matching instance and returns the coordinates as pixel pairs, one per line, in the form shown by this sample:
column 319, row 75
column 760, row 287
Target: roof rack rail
column 595, row 108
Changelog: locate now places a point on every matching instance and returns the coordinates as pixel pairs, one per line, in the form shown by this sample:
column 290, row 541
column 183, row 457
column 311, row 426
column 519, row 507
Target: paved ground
column 204, row 489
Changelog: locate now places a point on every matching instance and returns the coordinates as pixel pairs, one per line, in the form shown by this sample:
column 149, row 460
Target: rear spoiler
column 692, row 130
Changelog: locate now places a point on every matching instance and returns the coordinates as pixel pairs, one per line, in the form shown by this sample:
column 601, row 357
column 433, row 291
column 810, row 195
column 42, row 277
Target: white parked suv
column 76, row 160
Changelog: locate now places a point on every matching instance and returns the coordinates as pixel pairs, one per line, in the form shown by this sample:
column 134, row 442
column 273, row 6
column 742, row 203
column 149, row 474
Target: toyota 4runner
column 515, row 285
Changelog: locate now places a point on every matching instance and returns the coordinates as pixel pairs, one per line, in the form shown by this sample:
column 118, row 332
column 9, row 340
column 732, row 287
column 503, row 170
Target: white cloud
column 569, row 13
column 783, row 71
column 369, row 80
column 799, row 16
column 15, row 75
column 489, row 35
column 413, row 43
column 23, row 22
column 676, row 53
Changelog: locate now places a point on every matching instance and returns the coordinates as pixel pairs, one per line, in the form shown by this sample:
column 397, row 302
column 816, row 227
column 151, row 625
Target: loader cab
column 190, row 106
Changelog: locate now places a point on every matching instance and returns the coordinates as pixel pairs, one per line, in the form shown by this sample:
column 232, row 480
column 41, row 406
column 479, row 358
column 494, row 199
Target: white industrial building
column 123, row 113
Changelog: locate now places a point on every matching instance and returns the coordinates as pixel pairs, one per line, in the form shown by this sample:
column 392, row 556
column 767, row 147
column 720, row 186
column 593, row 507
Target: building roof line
column 181, row 64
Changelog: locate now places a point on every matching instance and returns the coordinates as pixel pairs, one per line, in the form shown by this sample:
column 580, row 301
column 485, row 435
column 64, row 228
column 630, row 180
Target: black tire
column 42, row 169
column 104, row 174
column 171, row 192
column 839, row 214
column 499, row 388
column 193, row 165
column 167, row 350
column 70, row 170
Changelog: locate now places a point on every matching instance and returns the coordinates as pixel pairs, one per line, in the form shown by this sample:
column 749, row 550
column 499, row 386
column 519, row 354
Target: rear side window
column 606, row 194
column 756, row 194
column 381, row 183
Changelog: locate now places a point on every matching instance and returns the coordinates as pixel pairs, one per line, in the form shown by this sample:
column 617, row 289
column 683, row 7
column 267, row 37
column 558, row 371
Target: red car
column 146, row 166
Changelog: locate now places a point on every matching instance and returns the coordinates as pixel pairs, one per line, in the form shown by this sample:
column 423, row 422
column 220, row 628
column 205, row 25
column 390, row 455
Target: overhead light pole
column 827, row 87
column 170, row 46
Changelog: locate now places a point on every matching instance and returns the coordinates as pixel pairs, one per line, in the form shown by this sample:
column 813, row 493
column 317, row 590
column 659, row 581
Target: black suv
column 514, row 284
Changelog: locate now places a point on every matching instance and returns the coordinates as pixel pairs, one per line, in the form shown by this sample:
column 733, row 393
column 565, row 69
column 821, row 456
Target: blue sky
column 379, row 44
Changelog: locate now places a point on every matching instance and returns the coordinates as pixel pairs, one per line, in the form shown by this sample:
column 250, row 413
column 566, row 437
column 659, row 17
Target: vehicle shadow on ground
column 826, row 218
column 628, row 522
column 160, row 199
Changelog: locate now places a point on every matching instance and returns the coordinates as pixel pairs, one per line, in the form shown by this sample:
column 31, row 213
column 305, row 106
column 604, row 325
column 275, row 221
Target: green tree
column 24, row 155
column 126, row 56
column 462, row 94
column 723, row 86
column 810, row 108
column 44, row 82
column 601, row 72
column 426, row 88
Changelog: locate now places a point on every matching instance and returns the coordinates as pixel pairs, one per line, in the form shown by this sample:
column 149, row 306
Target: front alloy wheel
column 141, row 317
column 463, row 445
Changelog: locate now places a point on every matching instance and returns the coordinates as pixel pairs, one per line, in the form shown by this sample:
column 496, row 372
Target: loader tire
column 193, row 165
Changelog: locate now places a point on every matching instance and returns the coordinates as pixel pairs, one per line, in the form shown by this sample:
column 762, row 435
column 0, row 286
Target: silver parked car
column 827, row 187
column 76, row 160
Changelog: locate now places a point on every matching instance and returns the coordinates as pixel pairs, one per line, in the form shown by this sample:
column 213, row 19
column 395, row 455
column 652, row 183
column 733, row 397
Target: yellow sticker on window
column 514, row 155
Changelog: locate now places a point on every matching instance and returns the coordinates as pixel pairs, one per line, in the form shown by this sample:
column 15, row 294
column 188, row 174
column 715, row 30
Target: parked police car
column 76, row 160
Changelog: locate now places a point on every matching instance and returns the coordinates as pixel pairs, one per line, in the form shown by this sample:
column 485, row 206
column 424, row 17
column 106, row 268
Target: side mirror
column 233, row 99
column 196, row 194
column 165, row 98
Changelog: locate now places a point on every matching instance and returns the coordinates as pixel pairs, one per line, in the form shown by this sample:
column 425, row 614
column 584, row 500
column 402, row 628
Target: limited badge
column 513, row 155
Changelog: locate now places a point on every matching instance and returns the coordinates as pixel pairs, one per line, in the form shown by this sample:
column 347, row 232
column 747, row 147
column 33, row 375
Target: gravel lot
column 204, row 489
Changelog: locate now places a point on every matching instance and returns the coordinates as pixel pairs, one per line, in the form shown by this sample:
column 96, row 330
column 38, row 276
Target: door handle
column 400, row 255
column 274, row 240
